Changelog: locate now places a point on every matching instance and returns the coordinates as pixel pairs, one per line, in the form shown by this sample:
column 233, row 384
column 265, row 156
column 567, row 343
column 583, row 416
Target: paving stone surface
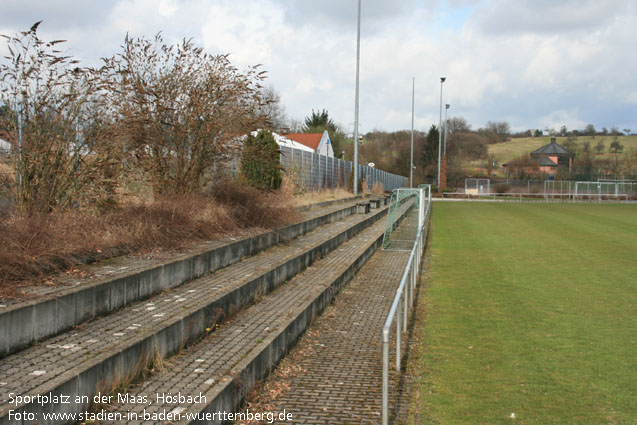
column 200, row 367
column 334, row 374
column 31, row 370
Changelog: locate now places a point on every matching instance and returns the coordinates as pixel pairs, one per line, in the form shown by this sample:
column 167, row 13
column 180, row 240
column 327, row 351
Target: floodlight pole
column 442, row 80
column 445, row 148
column 358, row 63
column 19, row 109
column 411, row 161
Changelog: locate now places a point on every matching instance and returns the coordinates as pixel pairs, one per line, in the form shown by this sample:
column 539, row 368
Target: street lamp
column 442, row 80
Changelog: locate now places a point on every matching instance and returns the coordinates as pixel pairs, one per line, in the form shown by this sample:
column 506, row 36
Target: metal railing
column 539, row 197
column 403, row 300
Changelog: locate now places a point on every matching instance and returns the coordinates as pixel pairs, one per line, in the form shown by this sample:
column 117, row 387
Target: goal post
column 477, row 186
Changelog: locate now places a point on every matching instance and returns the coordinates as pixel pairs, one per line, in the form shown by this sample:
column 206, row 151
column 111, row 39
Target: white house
column 318, row 142
column 5, row 147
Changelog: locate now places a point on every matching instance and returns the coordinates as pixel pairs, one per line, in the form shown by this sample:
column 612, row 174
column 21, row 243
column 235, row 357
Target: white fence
column 314, row 171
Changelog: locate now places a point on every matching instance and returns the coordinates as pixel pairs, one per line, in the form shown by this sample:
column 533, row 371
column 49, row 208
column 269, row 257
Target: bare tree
column 497, row 131
column 57, row 122
column 180, row 109
column 458, row 125
column 273, row 110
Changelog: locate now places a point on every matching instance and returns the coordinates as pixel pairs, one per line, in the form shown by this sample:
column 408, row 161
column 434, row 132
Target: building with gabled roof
column 552, row 156
column 319, row 142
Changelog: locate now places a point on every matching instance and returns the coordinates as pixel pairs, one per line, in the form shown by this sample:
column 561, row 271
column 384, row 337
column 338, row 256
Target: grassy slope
column 532, row 311
column 517, row 147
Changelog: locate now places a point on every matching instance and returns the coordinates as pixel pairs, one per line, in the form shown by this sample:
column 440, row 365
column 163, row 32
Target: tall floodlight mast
column 411, row 161
column 358, row 64
column 442, row 80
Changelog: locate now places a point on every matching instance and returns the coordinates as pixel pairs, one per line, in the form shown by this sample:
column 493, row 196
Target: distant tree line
column 588, row 130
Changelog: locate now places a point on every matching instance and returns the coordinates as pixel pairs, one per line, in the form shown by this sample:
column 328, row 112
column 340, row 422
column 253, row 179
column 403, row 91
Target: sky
column 533, row 63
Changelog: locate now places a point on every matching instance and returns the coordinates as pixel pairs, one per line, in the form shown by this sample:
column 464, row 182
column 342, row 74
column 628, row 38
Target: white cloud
column 556, row 119
column 532, row 63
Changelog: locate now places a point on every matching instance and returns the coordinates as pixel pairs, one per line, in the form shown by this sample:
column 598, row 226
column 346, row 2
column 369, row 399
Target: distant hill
column 515, row 148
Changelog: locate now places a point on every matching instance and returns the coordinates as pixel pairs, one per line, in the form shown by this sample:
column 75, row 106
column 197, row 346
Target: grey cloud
column 548, row 16
column 338, row 13
column 57, row 15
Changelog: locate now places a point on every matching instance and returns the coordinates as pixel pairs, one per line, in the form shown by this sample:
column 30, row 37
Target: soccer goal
column 609, row 189
column 477, row 186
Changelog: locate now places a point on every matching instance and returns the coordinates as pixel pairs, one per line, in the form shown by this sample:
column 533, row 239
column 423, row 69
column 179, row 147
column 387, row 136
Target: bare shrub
column 377, row 188
column 56, row 107
column 180, row 109
column 36, row 244
column 251, row 207
column 501, row 188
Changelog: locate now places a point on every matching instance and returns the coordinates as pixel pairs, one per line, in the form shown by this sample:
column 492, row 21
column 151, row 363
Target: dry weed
column 378, row 189
column 32, row 246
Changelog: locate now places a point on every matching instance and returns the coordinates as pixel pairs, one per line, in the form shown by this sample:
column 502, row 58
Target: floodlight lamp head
column 447, row 106
column 442, row 79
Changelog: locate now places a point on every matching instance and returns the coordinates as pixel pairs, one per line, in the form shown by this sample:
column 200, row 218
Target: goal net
column 477, row 186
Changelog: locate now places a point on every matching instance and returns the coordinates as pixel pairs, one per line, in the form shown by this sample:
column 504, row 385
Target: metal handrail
column 409, row 275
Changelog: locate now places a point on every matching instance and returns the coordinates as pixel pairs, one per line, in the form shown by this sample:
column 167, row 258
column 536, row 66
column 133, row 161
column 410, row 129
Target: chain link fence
column 314, row 172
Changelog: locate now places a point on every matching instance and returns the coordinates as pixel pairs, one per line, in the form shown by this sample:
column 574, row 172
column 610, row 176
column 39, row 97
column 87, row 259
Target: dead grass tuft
column 308, row 198
column 32, row 246
column 378, row 189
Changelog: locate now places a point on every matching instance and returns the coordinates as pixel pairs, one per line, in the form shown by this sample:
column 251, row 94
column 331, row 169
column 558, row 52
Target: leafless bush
column 180, row 109
column 56, row 122
column 34, row 245
column 377, row 188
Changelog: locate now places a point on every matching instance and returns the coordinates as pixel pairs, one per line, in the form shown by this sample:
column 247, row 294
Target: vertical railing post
column 385, row 406
column 398, row 331
column 406, row 302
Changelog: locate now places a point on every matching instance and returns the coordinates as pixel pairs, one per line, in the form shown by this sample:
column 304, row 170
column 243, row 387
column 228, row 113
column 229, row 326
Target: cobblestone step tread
column 43, row 367
column 340, row 355
column 204, row 365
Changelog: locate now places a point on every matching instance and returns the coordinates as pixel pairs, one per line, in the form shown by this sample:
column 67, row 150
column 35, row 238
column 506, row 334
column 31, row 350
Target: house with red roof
column 550, row 157
column 319, row 142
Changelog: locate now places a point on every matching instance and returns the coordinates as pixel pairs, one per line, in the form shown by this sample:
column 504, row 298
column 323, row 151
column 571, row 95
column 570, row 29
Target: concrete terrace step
column 56, row 310
column 333, row 375
column 110, row 350
column 227, row 363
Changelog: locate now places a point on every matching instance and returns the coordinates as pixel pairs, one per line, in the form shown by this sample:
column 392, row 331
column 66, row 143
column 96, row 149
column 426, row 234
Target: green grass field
column 531, row 312
column 515, row 148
